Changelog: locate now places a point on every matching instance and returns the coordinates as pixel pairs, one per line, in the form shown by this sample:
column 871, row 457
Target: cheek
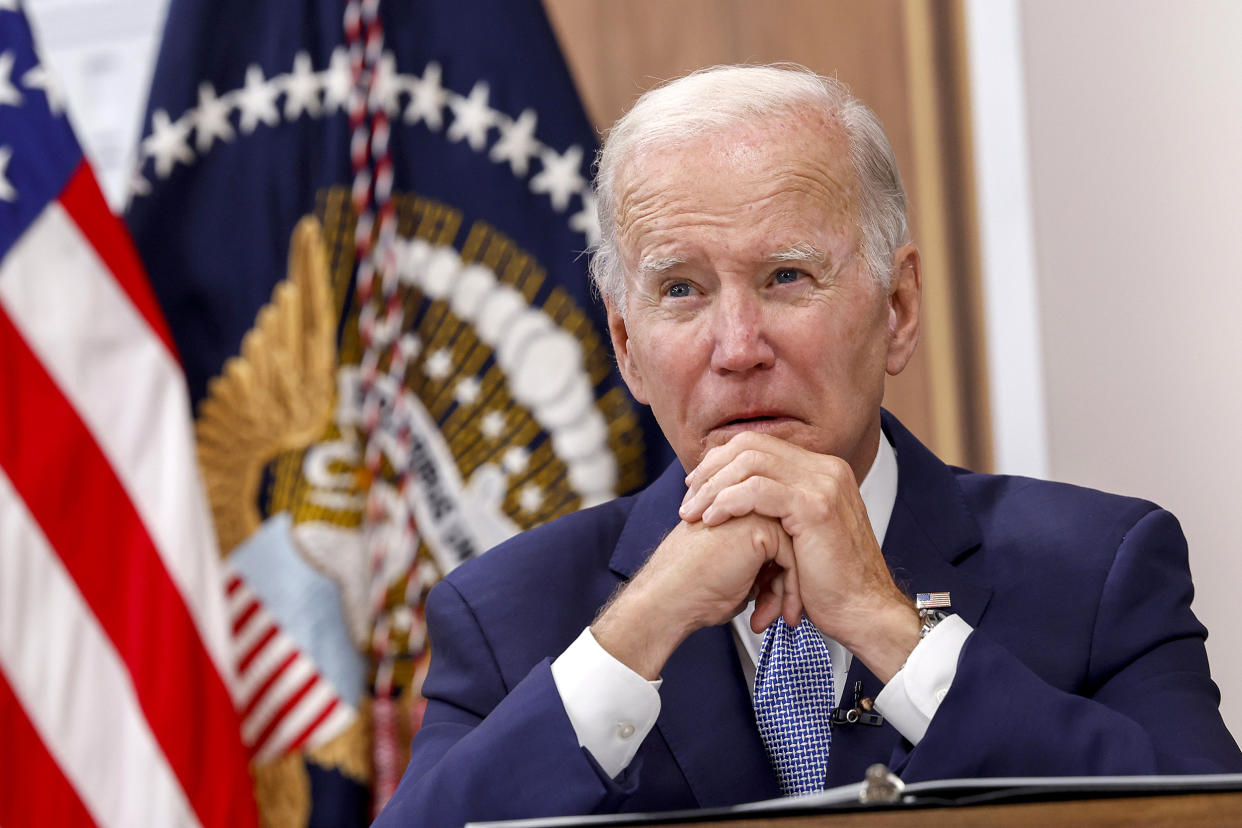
column 661, row 367
column 670, row 363
column 846, row 354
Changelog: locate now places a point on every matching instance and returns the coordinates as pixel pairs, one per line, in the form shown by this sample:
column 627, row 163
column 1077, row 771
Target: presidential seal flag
column 366, row 223
column 115, row 672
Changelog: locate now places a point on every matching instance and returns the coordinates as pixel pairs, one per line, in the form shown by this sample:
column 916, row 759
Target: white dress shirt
column 612, row 708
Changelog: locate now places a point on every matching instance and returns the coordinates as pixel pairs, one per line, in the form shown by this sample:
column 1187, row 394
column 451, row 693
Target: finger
column 777, row 601
column 745, row 464
column 761, row 495
column 781, row 585
column 777, row 586
column 791, row 599
column 749, row 456
column 720, row 456
column 763, row 581
column 768, row 605
column 791, row 609
column 766, row 611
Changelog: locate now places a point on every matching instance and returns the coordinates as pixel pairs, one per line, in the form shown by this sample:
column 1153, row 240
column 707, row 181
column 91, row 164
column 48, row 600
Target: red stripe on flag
column 234, row 583
column 283, row 711
column 105, row 547
column 85, row 204
column 255, row 650
column 262, row 689
column 246, row 615
column 33, row 791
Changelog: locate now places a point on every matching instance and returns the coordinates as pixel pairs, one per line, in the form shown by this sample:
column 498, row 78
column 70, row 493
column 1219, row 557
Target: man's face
column 749, row 306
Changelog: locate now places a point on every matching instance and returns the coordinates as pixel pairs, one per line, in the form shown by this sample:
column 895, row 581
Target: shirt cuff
column 611, row 707
column 913, row 695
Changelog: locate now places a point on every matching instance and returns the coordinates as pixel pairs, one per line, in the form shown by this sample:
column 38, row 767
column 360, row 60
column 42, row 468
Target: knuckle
column 818, row 509
column 840, row 470
column 763, row 535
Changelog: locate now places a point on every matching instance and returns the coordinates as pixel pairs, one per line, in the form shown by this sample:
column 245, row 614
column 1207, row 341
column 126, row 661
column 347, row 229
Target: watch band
column 930, row 618
column 933, row 608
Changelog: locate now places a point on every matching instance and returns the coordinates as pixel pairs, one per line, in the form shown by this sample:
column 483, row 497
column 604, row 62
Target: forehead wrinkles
column 748, row 177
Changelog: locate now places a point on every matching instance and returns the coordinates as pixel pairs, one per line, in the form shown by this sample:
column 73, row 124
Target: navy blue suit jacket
column 1085, row 657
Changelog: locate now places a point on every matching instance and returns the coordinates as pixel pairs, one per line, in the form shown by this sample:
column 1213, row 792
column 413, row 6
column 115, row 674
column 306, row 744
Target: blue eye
column 679, row 291
column 786, row 276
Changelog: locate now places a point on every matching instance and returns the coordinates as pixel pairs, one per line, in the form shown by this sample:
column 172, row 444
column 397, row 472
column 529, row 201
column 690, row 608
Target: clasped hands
column 764, row 519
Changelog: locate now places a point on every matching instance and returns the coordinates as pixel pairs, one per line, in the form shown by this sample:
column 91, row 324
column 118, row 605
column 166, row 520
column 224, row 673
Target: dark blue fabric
column 214, row 233
column 1085, row 659
column 42, row 150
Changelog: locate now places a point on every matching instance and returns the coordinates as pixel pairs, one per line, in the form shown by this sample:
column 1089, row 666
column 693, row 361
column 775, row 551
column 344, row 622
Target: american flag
column 284, row 700
column 115, row 666
column 932, row 600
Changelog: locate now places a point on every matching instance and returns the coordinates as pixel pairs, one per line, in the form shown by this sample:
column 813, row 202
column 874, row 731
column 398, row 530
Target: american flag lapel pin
column 932, row 600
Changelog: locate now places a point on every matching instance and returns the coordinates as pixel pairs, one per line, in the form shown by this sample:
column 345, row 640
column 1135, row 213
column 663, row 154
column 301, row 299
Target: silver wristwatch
column 930, row 618
column 933, row 608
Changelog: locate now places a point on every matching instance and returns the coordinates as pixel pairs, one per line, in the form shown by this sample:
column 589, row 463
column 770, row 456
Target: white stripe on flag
column 253, row 620
column 248, row 636
column 291, row 726
column 238, row 602
column 51, row 649
column 261, row 667
column 75, row 310
column 290, row 681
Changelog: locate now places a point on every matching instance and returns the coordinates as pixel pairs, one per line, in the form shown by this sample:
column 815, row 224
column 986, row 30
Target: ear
column 905, row 297
column 620, row 336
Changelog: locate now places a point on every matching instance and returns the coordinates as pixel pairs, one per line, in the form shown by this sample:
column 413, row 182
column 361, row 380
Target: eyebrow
column 659, row 264
column 800, row 252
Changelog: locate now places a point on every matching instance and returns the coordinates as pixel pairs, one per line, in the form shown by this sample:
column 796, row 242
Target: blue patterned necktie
column 793, row 704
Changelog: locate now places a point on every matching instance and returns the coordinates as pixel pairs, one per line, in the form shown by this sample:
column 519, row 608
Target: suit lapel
column 706, row 719
column 654, row 515
column 930, row 530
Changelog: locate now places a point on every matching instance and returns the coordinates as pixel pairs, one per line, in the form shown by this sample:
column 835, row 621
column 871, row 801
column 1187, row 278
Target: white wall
column 1134, row 117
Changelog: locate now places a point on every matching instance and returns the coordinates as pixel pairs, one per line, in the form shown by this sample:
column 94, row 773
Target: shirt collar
column 879, row 488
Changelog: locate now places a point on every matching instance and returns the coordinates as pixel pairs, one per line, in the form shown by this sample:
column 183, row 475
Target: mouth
column 776, row 423
column 755, row 420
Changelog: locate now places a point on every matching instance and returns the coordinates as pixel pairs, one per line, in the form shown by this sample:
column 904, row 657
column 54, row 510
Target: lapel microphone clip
column 863, row 711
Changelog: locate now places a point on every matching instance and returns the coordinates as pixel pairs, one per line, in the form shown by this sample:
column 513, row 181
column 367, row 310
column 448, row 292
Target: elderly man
column 735, row 632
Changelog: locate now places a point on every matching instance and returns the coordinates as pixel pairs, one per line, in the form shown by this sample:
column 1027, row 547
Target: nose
column 740, row 333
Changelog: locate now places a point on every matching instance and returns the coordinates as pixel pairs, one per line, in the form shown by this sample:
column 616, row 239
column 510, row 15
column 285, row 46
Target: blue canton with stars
column 793, row 704
column 38, row 152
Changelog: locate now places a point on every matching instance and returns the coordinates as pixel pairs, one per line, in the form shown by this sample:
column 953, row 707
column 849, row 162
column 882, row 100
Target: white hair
column 725, row 97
